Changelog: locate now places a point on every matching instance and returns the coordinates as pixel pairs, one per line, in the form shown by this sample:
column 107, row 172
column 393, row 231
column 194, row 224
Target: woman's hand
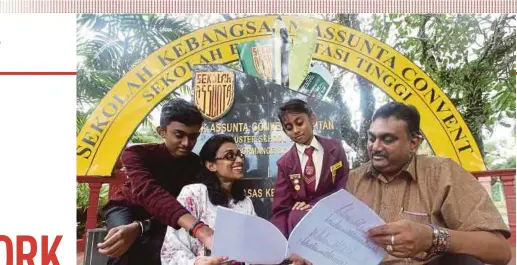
column 302, row 206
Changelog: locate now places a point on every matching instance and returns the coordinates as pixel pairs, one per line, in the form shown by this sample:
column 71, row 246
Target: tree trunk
column 367, row 98
column 367, row 109
column 347, row 132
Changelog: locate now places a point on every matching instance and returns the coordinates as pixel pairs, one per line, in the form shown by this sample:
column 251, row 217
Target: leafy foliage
column 471, row 57
column 357, row 140
column 109, row 45
column 83, row 196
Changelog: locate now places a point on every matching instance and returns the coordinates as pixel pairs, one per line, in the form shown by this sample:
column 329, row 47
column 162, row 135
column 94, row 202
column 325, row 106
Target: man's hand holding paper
column 404, row 238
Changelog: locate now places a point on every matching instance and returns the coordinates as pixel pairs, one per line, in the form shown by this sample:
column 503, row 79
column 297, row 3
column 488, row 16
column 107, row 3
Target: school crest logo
column 214, row 93
column 263, row 60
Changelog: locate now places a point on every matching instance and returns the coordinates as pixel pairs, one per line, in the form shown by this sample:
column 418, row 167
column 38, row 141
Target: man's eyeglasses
column 232, row 156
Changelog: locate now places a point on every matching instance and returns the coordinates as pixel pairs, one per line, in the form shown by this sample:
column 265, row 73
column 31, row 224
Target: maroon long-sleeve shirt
column 155, row 178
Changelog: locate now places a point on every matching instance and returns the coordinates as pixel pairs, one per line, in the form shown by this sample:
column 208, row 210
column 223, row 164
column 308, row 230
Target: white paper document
column 333, row 232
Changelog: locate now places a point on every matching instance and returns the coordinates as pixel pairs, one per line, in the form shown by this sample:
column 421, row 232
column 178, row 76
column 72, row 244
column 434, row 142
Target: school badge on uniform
column 334, row 168
column 295, row 179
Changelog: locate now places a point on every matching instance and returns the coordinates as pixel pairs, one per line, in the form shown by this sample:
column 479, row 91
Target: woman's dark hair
column 215, row 193
column 294, row 106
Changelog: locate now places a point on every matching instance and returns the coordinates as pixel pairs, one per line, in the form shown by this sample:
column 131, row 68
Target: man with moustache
column 433, row 208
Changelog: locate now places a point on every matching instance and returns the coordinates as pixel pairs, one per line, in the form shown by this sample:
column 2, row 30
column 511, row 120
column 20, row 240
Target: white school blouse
column 179, row 248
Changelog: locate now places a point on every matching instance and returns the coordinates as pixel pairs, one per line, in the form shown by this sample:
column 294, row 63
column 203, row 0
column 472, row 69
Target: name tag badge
column 334, row 168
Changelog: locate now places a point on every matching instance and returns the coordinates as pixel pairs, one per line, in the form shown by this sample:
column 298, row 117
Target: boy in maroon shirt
column 138, row 215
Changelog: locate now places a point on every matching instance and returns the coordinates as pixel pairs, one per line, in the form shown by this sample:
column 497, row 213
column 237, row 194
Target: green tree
column 498, row 158
column 471, row 57
column 367, row 105
column 110, row 45
column 336, row 95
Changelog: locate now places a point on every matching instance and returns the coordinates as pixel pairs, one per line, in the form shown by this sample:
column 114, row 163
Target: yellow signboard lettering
column 110, row 126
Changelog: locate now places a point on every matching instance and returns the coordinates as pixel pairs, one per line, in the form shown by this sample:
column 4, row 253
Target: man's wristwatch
column 441, row 241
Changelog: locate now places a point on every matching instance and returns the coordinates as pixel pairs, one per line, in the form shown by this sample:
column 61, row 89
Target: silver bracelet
column 141, row 228
column 441, row 240
column 435, row 235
